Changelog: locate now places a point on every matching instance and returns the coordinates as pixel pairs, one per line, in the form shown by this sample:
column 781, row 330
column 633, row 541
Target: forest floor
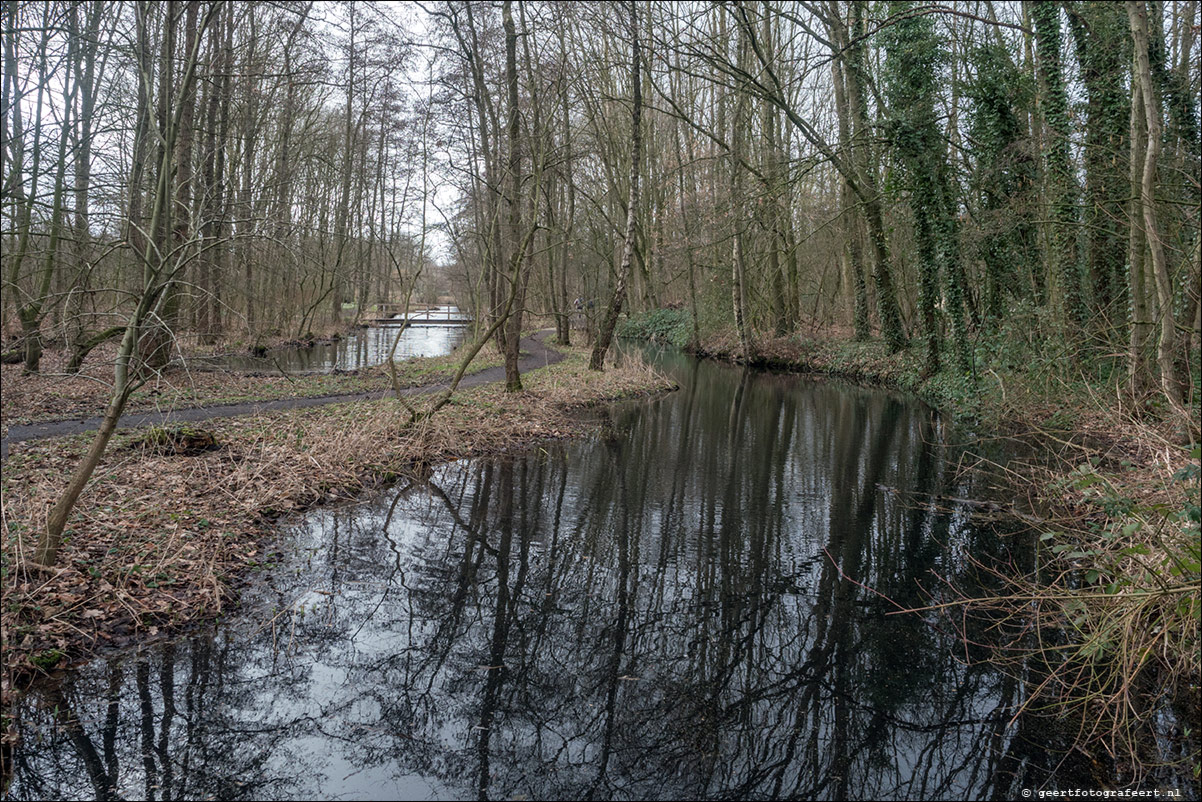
column 134, row 568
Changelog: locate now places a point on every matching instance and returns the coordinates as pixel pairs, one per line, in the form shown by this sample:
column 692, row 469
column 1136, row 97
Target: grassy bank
column 134, row 567
column 1115, row 487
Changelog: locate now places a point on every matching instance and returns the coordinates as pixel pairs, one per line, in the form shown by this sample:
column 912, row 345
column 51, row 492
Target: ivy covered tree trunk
column 1101, row 37
column 1139, row 327
column 1003, row 181
column 911, row 73
column 1061, row 183
column 953, row 269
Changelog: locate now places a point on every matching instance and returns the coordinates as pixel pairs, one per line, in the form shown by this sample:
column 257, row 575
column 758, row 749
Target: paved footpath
column 537, row 355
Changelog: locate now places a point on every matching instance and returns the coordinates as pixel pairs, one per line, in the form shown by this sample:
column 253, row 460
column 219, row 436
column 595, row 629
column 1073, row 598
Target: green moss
column 47, row 659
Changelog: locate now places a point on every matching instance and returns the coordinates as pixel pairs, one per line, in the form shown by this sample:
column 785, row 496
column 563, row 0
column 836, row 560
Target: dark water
column 679, row 609
column 363, row 348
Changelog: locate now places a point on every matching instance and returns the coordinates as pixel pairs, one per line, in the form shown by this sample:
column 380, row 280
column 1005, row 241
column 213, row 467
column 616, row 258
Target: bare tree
column 610, row 322
column 161, row 267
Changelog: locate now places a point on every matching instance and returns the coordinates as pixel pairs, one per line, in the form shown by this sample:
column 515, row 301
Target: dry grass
column 1106, row 635
column 1120, row 593
column 156, row 540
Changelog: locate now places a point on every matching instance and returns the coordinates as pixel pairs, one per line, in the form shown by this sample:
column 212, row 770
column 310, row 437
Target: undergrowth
column 1105, row 631
column 666, row 326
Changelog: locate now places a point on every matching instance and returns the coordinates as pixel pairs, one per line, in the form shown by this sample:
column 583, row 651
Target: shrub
column 668, row 326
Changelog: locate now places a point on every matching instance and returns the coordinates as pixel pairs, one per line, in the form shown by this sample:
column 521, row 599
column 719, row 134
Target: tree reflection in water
column 680, row 609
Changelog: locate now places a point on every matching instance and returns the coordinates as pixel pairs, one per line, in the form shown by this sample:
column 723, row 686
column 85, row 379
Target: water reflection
column 690, row 607
column 360, row 349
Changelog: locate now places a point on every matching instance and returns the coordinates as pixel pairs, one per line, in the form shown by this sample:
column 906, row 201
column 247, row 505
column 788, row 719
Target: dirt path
column 536, row 355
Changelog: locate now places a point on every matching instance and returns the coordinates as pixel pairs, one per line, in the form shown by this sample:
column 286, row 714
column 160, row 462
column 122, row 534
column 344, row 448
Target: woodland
column 1015, row 177
column 995, row 204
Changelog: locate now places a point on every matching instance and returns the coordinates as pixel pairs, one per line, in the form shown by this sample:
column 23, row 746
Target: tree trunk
column 513, row 202
column 605, row 335
column 158, row 275
column 1166, row 351
column 738, row 214
column 1062, row 184
column 1099, row 33
column 863, row 171
column 24, row 212
column 88, row 91
column 51, row 538
column 1138, row 379
column 853, row 253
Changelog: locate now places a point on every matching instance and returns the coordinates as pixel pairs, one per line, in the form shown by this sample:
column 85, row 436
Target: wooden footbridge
column 388, row 314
